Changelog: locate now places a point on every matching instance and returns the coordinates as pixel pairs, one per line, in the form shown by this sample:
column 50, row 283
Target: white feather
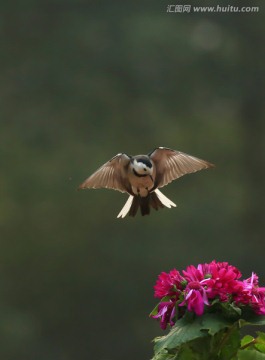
column 164, row 200
column 124, row 211
column 141, row 168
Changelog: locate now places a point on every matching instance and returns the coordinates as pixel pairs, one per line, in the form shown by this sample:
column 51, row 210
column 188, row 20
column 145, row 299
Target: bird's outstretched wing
column 111, row 175
column 171, row 165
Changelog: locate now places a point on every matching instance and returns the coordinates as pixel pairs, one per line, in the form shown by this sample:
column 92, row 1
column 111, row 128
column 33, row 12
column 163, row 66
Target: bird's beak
column 151, row 178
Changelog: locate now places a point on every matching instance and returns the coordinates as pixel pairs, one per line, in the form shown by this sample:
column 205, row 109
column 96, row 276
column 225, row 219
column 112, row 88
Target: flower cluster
column 198, row 288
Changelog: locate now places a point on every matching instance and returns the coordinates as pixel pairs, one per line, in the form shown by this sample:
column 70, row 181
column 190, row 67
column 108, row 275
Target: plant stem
column 226, row 337
column 252, row 342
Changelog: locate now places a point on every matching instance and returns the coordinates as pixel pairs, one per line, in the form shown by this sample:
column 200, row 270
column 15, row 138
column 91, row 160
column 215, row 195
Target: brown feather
column 171, row 165
column 111, row 175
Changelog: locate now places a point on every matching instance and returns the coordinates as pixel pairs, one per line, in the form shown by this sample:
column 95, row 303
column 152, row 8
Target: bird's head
column 142, row 166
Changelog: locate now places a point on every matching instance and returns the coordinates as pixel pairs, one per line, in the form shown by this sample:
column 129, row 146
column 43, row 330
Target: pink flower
column 248, row 286
column 193, row 274
column 224, row 280
column 166, row 313
column 205, row 284
column 258, row 301
column 252, row 295
column 169, row 284
column 195, row 298
column 195, row 294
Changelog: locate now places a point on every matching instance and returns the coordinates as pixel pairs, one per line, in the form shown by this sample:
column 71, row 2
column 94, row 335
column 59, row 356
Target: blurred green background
column 80, row 82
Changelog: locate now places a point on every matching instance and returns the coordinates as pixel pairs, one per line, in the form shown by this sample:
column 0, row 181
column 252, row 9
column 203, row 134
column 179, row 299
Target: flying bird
column 142, row 175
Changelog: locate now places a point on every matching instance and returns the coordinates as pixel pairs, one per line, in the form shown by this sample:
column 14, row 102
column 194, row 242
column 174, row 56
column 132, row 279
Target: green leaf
column 231, row 311
column 211, row 347
column 213, row 323
column 189, row 328
column 185, row 353
column 183, row 331
column 260, row 342
column 250, row 355
column 246, row 340
column 230, row 343
column 211, row 336
column 197, row 349
column 261, row 335
column 164, row 355
column 255, row 350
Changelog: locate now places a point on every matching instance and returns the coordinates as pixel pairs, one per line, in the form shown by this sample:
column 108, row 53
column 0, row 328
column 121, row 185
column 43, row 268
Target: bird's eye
column 144, row 169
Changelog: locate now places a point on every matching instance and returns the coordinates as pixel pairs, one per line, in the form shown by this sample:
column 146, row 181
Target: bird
column 141, row 176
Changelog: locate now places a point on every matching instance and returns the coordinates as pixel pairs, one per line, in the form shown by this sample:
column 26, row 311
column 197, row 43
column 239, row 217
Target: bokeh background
column 80, row 82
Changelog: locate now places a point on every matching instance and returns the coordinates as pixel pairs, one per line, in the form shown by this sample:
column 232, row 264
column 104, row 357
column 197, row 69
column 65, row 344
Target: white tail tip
column 164, row 200
column 124, row 211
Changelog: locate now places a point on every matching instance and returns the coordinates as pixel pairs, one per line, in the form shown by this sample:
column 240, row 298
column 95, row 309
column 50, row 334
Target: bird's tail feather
column 154, row 199
column 164, row 200
column 126, row 208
